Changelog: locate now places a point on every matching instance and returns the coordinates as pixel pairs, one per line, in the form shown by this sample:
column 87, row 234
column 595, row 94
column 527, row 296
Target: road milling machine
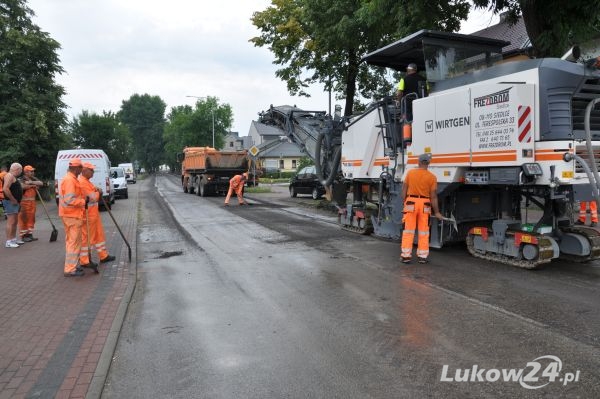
column 513, row 146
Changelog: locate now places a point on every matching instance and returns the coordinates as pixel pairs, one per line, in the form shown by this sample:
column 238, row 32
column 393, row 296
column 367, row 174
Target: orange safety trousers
column 97, row 239
column 27, row 216
column 239, row 189
column 416, row 217
column 593, row 211
column 72, row 242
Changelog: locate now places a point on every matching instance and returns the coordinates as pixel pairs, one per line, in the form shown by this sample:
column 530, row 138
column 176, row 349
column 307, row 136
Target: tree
column 144, row 115
column 31, row 109
column 552, row 25
column 105, row 132
column 323, row 40
column 193, row 127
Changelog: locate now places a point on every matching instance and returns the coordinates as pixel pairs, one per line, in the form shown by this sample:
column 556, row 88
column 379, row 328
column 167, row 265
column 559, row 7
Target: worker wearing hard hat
column 236, row 184
column 71, row 207
column 28, row 205
column 419, row 194
column 411, row 84
column 92, row 221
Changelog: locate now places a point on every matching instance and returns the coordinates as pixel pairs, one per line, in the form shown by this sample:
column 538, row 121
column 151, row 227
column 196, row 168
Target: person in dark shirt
column 410, row 84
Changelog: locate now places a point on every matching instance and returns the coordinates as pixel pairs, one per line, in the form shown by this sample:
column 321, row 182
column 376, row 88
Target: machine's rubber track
column 368, row 229
column 592, row 235
column 545, row 253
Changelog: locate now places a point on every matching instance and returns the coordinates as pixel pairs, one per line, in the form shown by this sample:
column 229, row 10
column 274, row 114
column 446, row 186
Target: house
column 520, row 45
column 233, row 142
column 276, row 152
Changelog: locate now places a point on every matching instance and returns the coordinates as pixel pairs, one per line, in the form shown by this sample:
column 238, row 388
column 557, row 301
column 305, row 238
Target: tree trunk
column 351, row 74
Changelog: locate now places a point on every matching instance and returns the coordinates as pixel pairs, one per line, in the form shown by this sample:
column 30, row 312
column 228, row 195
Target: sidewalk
column 58, row 334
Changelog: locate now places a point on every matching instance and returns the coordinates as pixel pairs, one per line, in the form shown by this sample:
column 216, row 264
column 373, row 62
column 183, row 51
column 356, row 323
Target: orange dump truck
column 206, row 171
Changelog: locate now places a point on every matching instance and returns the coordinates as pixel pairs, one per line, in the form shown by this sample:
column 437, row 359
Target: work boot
column 76, row 273
column 19, row 241
column 27, row 239
column 90, row 265
column 579, row 223
column 423, row 260
column 226, row 204
column 405, row 260
column 109, row 258
column 31, row 237
column 593, row 224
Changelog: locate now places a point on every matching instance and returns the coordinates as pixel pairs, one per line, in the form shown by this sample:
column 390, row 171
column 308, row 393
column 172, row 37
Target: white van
column 129, row 172
column 101, row 176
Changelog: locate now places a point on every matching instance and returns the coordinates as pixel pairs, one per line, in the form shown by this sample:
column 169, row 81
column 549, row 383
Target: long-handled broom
column 54, row 234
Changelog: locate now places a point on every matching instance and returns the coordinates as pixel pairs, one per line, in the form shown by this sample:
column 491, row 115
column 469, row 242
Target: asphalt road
column 273, row 300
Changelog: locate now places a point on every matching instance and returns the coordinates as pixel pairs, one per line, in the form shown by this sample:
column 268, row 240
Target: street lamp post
column 212, row 112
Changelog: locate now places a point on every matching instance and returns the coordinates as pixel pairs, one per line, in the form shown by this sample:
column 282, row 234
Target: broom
column 54, row 234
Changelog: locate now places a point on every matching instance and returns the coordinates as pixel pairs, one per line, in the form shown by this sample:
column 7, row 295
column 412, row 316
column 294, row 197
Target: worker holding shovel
column 92, row 228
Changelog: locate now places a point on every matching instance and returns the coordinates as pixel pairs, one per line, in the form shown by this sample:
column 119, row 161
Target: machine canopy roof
column 441, row 54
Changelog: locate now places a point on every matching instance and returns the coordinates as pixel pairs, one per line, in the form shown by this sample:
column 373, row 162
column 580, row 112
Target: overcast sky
column 112, row 49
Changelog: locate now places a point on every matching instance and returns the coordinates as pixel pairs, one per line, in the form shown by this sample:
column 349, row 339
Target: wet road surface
column 274, row 300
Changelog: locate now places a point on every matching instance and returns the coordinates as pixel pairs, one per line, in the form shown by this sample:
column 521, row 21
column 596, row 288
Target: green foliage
column 104, row 132
column 144, row 115
column 193, row 127
column 324, row 40
column 552, row 25
column 303, row 162
column 31, row 108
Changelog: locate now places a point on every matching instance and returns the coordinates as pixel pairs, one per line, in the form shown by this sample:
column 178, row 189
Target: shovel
column 89, row 246
column 54, row 234
column 116, row 225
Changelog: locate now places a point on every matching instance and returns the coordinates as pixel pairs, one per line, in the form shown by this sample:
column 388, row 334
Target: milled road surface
column 273, row 300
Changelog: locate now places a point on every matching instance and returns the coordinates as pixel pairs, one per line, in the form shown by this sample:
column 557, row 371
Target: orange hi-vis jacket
column 96, row 238
column 236, row 183
column 27, row 212
column 89, row 190
column 71, row 201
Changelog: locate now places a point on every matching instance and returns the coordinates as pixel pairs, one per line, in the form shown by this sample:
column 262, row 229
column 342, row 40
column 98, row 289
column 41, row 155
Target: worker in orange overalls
column 236, row 183
column 419, row 194
column 97, row 238
column 593, row 212
column 71, row 207
column 28, row 205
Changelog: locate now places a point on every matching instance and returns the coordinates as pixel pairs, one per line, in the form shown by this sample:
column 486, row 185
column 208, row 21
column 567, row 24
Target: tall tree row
column 322, row 41
column 32, row 115
column 144, row 115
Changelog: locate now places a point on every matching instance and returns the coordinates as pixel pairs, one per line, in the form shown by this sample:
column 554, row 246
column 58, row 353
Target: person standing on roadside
column 92, row 221
column 70, row 209
column 3, row 172
column 419, row 195
column 236, row 184
column 13, row 192
column 28, row 205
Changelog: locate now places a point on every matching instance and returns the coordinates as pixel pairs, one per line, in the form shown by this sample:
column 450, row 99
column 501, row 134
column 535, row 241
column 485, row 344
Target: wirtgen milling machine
column 504, row 137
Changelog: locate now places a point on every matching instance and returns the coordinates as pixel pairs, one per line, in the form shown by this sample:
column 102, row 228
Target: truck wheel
column 293, row 192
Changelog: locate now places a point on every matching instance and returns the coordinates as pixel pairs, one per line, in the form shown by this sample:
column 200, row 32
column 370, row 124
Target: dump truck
column 206, row 171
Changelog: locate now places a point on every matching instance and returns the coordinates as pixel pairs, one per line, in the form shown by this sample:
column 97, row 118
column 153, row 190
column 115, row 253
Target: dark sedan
column 306, row 182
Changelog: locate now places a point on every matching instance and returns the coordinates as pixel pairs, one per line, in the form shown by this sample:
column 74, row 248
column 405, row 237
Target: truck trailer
column 207, row 171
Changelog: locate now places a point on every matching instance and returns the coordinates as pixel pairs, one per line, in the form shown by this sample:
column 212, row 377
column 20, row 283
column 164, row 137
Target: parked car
column 119, row 181
column 306, row 182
